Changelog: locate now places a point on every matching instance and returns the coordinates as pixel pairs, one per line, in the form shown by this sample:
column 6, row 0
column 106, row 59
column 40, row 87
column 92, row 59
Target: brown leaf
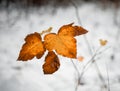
column 70, row 30
column 64, row 42
column 33, row 47
column 51, row 64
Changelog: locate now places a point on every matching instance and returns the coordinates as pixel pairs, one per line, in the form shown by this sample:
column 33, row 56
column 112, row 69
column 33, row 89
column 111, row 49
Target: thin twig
column 78, row 73
column 75, row 67
column 100, row 76
column 76, row 12
column 108, row 79
column 117, row 24
column 85, row 38
column 88, row 63
column 79, row 22
column 103, row 50
column 94, row 61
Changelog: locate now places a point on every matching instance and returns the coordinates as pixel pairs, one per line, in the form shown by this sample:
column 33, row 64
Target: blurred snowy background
column 21, row 17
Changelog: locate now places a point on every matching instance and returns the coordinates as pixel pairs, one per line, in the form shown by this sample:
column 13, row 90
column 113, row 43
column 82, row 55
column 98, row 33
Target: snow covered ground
column 28, row 76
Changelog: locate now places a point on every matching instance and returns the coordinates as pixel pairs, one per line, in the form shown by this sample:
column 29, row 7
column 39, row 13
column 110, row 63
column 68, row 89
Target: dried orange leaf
column 103, row 42
column 80, row 58
column 63, row 45
column 51, row 64
column 46, row 31
column 70, row 30
column 64, row 42
column 33, row 47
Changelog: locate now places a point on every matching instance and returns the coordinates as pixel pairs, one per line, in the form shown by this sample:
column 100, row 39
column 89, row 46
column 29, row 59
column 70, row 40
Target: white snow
column 28, row 76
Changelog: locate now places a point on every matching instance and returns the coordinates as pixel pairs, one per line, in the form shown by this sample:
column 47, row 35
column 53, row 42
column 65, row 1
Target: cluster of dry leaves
column 63, row 43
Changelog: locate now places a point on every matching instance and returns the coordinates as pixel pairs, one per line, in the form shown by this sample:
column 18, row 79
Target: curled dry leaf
column 33, row 47
column 51, row 64
column 64, row 42
column 103, row 42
